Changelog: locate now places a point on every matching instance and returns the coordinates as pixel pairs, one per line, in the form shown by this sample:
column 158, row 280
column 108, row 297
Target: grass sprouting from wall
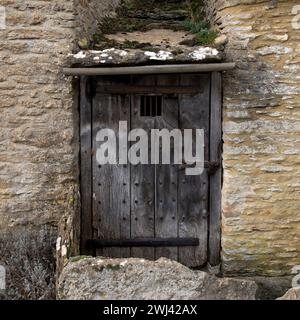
column 201, row 29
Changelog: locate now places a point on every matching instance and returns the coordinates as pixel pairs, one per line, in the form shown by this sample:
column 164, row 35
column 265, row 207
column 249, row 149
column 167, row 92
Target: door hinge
column 211, row 166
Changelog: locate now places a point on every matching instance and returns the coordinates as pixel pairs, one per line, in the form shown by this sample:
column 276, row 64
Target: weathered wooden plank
column 85, row 164
column 111, row 182
column 166, row 176
column 193, row 190
column 142, row 182
column 216, row 178
column 152, row 69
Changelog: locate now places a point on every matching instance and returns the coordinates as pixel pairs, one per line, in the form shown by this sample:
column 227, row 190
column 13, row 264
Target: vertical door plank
column 193, row 190
column 85, row 164
column 215, row 179
column 166, row 175
column 142, row 181
column 111, row 182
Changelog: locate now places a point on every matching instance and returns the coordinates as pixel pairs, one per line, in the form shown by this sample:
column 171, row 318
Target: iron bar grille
column 151, row 106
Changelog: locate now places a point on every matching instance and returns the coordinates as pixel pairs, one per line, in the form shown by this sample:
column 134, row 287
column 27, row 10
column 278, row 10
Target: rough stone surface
column 141, row 32
column 104, row 22
column 112, row 56
column 91, row 13
column 119, row 279
column 38, row 164
column 163, row 38
column 270, row 288
column 292, row 294
column 261, row 189
column 220, row 41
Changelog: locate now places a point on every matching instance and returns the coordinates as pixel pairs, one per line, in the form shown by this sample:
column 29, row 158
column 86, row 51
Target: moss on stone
column 113, row 267
column 109, row 266
column 101, row 42
column 78, row 258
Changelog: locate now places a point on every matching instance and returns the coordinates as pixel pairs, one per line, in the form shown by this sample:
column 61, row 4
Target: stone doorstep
column 163, row 279
column 87, row 278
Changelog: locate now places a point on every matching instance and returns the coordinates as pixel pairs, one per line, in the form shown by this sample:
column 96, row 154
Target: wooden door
column 151, row 210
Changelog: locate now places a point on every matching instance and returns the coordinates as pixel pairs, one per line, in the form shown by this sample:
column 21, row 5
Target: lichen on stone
column 113, row 56
column 161, row 55
column 80, row 55
column 152, row 31
column 201, row 53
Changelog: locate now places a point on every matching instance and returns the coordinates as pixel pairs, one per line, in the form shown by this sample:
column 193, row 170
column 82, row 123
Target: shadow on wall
column 91, row 12
column 28, row 255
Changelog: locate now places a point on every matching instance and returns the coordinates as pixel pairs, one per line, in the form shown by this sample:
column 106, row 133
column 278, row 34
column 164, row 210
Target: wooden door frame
column 214, row 228
column 215, row 192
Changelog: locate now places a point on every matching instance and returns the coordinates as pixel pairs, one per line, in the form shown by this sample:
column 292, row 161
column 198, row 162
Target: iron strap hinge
column 143, row 242
column 212, row 166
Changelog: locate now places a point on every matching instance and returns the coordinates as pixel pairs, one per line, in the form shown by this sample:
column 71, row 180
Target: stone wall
column 39, row 122
column 38, row 139
column 90, row 14
column 261, row 191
